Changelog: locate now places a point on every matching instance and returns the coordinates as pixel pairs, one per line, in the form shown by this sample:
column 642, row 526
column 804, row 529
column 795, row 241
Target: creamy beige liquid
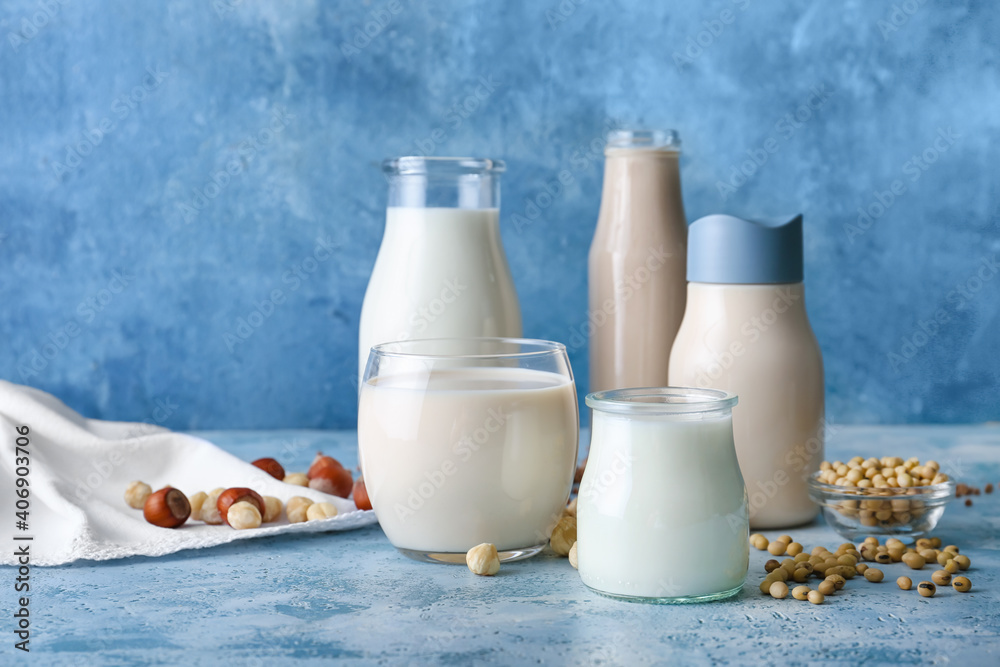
column 637, row 266
column 454, row 458
column 755, row 341
column 652, row 484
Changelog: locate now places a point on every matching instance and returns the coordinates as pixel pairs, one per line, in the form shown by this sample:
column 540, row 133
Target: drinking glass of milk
column 662, row 511
column 466, row 441
column 441, row 271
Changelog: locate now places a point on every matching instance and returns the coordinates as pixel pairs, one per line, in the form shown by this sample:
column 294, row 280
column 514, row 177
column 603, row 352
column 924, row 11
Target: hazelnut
column 136, row 494
column 242, row 515
column 361, row 500
column 167, row 508
column 563, row 535
column 236, row 494
column 296, row 508
column 197, row 501
column 571, row 508
column 333, row 481
column 573, row 557
column 321, row 463
column 319, row 511
column 296, row 478
column 271, row 467
column 210, row 508
column 272, row 509
column 483, row 559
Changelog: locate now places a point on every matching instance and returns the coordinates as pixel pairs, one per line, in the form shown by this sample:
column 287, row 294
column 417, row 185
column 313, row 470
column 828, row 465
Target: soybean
column 927, row 589
column 874, row 575
column 838, row 581
column 951, row 566
column 794, row 549
column 963, row 562
column 771, row 565
column 904, row 583
column 914, row 560
column 758, row 541
column 941, row 577
column 777, row 548
column 778, row 590
column 801, row 592
column 961, row 584
column 826, row 587
column 816, row 597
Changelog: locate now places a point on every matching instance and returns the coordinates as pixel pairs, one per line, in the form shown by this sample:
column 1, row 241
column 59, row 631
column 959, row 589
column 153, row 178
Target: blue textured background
column 302, row 109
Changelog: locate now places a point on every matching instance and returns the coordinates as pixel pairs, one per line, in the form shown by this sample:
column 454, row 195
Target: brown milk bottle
column 745, row 331
column 637, row 262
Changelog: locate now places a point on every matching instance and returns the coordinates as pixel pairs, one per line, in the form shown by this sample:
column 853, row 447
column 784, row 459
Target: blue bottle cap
column 727, row 249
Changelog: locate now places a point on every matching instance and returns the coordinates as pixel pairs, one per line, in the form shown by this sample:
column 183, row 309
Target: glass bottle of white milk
column 441, row 271
column 745, row 331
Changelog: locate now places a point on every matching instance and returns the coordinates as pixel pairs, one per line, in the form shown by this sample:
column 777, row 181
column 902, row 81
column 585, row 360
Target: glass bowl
column 905, row 514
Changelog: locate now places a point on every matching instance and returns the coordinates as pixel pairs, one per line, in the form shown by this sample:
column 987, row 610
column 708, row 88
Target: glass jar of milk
column 662, row 511
column 441, row 271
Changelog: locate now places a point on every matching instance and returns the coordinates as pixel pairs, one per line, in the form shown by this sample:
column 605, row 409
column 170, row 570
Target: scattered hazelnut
column 570, row 508
column 167, row 508
column 271, row 467
column 563, row 535
column 483, row 559
column 296, row 508
column 332, row 481
column 229, row 497
column 210, row 508
column 136, row 494
column 361, row 499
column 242, row 515
column 573, row 557
column 272, row 509
column 296, row 478
column 323, row 463
column 319, row 511
column 197, row 501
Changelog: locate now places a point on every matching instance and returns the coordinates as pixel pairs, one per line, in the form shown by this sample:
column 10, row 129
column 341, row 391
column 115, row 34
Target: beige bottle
column 637, row 262
column 745, row 331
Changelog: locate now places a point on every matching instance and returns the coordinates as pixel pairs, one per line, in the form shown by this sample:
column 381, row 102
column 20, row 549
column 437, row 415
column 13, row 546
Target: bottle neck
column 642, row 187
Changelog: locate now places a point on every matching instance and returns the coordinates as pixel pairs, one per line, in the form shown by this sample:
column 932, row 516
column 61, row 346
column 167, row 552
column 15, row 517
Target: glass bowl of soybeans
column 889, row 497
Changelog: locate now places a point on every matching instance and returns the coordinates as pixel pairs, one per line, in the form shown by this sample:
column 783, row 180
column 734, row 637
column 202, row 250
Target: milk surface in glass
column 653, row 484
column 455, row 457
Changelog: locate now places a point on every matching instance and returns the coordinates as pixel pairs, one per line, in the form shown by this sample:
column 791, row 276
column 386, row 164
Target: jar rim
column 651, row 140
column 661, row 400
column 415, row 165
column 516, row 348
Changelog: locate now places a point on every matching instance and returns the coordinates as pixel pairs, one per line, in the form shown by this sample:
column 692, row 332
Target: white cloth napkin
column 77, row 472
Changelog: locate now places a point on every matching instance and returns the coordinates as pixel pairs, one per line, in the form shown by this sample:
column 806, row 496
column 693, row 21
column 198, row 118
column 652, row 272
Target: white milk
column 440, row 273
column 662, row 507
column 454, row 458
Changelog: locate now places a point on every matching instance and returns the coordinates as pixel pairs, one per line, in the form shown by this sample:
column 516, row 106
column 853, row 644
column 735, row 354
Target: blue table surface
column 350, row 596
